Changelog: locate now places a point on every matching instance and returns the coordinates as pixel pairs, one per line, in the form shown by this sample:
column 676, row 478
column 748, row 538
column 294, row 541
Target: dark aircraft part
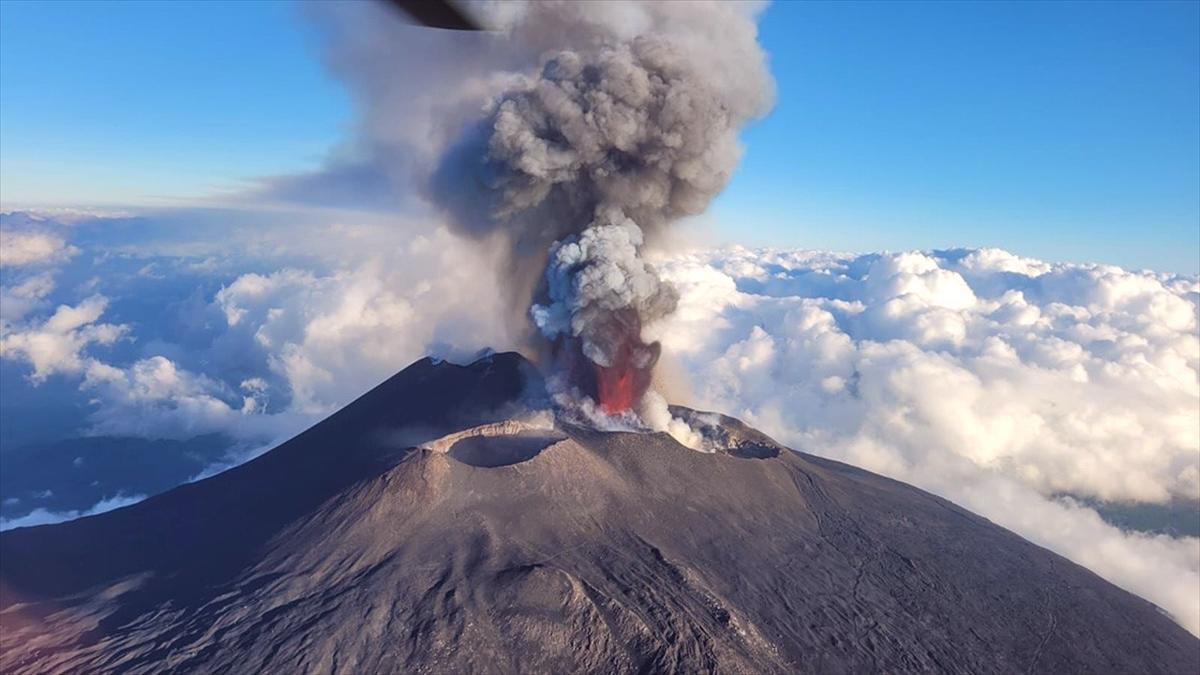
column 436, row 14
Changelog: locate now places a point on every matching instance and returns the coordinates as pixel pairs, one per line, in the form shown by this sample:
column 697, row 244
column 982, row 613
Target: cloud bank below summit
column 1075, row 379
column 1002, row 383
column 1012, row 386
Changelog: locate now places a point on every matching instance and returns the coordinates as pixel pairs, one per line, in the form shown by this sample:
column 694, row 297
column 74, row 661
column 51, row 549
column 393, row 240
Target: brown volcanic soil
column 348, row 550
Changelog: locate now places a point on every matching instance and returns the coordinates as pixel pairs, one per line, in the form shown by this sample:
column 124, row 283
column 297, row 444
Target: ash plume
column 618, row 132
column 568, row 138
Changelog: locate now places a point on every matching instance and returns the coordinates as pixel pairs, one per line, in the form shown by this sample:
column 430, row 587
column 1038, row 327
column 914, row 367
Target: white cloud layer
column 999, row 382
column 290, row 346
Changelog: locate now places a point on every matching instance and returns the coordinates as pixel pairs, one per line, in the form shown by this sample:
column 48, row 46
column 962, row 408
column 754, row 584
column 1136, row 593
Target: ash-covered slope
column 363, row 545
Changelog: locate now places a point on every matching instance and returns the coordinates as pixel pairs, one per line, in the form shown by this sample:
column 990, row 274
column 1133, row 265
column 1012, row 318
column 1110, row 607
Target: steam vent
column 443, row 523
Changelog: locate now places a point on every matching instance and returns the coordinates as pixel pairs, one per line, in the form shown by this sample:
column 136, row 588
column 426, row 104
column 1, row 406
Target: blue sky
column 1067, row 131
column 114, row 103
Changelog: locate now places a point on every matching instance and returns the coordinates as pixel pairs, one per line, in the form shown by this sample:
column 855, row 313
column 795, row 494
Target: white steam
column 595, row 275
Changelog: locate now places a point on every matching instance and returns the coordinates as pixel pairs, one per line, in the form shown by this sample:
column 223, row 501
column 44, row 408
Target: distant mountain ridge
column 360, row 546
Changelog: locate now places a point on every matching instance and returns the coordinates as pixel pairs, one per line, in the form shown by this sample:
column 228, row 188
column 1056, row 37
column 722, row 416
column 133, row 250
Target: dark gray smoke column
column 628, row 125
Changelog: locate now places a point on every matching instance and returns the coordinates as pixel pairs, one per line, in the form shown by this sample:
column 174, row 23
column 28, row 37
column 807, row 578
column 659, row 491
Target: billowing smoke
column 606, row 138
column 600, row 292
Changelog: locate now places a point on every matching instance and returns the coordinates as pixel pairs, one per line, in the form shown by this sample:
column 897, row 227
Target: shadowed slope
column 210, row 525
column 340, row 551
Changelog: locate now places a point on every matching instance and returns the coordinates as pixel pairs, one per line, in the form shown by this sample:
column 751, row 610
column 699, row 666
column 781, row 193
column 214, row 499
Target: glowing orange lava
column 620, row 385
column 615, row 388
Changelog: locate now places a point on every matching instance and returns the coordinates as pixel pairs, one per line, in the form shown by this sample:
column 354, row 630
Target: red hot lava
column 619, row 386
column 615, row 386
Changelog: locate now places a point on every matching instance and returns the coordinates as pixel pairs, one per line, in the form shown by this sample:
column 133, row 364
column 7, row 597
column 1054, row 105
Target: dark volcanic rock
column 349, row 549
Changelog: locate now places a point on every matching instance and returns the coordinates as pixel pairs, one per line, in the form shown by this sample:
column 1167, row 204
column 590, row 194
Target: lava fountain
column 620, row 384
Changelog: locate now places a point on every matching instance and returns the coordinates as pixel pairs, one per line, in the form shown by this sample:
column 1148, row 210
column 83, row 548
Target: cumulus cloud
column 19, row 299
column 151, row 397
column 999, row 382
column 33, row 251
column 155, row 398
column 20, row 248
column 57, row 344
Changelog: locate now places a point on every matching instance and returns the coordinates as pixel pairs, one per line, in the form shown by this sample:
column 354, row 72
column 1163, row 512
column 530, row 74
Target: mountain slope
column 351, row 549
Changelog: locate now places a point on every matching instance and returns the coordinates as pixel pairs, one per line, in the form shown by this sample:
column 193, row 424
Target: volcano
column 445, row 522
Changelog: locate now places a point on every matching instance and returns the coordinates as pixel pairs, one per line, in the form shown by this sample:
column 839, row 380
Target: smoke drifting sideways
column 628, row 125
